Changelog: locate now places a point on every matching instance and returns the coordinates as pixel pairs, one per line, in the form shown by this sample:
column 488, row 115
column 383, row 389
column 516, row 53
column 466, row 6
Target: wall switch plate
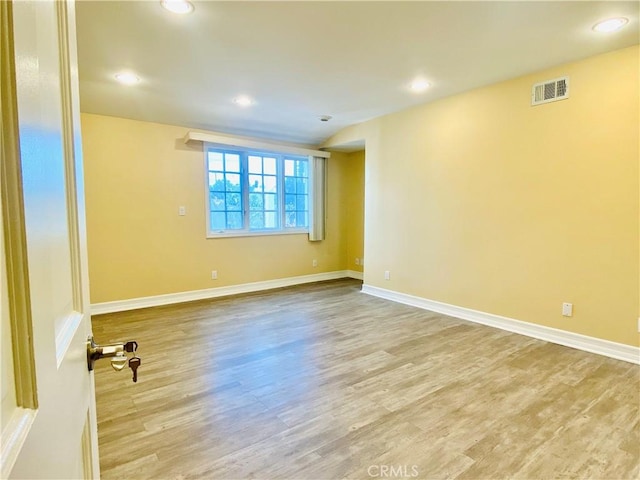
column 387, row 275
column 567, row 309
column 182, row 211
column 214, row 274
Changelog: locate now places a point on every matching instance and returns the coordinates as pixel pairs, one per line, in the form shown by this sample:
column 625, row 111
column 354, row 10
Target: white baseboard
column 354, row 274
column 169, row 298
column 607, row 348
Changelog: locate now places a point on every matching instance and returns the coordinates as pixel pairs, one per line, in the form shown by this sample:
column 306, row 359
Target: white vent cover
column 550, row 91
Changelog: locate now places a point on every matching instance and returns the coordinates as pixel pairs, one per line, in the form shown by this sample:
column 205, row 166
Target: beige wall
column 354, row 209
column 137, row 174
column 482, row 201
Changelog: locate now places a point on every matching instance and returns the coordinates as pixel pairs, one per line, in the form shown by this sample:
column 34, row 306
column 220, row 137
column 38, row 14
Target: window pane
column 301, row 168
column 270, row 220
column 270, row 166
column 301, row 202
column 256, row 201
column 288, row 168
column 233, row 162
column 234, row 201
column 289, row 202
column 255, row 164
column 301, row 219
column 289, row 185
column 255, row 183
column 290, row 219
column 217, row 201
column 234, row 220
column 270, row 184
column 233, row 182
column 256, row 220
column 270, row 201
column 217, row 221
column 215, row 161
column 301, row 185
column 216, row 182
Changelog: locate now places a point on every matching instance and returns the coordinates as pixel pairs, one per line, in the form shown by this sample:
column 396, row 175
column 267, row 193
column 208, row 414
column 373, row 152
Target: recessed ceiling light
column 127, row 78
column 243, row 101
column 177, row 6
column 610, row 25
column 419, row 85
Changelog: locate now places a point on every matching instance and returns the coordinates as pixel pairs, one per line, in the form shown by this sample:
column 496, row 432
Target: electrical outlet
column 314, row 263
column 182, row 211
column 357, row 261
column 387, row 275
column 567, row 309
column 214, row 274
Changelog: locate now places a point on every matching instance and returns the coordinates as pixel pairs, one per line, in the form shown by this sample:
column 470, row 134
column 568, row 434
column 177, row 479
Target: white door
column 48, row 404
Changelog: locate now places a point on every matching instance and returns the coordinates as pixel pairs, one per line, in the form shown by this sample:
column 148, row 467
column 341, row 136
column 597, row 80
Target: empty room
column 320, row 240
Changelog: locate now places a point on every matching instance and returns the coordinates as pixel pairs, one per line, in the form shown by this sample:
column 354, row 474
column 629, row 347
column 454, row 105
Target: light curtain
column 317, row 198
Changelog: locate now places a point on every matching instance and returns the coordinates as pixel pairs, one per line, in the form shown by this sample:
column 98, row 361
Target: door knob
column 96, row 352
column 116, row 352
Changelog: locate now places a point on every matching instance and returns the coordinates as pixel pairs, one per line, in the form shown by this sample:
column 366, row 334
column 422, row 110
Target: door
column 48, row 405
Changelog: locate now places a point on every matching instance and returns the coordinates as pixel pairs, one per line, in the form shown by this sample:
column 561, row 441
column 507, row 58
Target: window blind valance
column 257, row 144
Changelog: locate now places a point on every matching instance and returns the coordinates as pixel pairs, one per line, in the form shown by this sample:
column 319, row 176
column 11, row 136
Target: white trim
column 607, row 348
column 157, row 300
column 355, row 274
column 256, row 233
column 252, row 143
column 13, row 437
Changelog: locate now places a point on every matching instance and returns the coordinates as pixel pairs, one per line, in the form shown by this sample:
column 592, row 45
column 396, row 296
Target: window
column 251, row 192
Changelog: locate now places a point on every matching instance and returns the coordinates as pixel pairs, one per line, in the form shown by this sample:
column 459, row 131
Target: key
column 134, row 363
column 131, row 346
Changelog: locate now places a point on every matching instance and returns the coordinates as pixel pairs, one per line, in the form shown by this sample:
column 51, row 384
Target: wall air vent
column 550, row 91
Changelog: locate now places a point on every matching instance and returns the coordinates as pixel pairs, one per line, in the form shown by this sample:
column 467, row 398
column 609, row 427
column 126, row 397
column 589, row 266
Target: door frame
column 13, row 225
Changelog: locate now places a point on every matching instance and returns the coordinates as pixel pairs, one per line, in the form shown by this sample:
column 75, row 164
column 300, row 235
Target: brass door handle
column 114, row 351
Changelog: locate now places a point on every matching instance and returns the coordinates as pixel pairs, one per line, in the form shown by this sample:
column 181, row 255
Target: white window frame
column 244, row 153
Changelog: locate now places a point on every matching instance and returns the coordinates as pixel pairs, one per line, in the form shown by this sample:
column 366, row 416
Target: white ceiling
column 300, row 60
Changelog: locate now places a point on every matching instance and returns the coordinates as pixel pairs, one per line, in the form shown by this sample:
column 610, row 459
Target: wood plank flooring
column 323, row 382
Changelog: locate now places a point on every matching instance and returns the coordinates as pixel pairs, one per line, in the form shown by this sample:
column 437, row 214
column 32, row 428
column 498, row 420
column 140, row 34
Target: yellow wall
column 354, row 209
column 482, row 201
column 137, row 174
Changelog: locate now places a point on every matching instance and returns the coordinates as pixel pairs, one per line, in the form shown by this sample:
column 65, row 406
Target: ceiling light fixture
column 419, row 85
column 177, row 6
column 610, row 25
column 127, row 78
column 243, row 101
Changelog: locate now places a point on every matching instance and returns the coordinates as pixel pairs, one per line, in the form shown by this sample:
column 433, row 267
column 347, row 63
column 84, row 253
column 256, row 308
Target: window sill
column 257, row 233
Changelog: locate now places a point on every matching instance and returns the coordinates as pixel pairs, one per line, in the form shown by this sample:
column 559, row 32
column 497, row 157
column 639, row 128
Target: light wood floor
column 324, row 382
